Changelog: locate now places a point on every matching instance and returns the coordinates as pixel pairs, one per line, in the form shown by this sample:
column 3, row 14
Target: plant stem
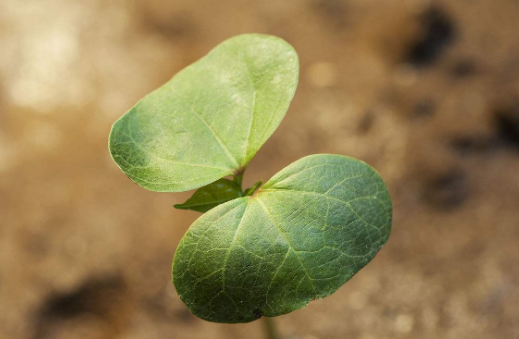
column 238, row 177
column 270, row 328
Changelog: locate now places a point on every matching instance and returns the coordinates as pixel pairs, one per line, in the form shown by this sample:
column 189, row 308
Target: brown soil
column 425, row 91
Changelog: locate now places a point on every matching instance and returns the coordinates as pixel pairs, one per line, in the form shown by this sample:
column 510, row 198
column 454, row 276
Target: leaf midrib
column 236, row 232
column 288, row 241
column 216, row 137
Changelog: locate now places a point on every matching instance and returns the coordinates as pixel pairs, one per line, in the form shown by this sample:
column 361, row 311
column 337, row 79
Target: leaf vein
column 288, row 241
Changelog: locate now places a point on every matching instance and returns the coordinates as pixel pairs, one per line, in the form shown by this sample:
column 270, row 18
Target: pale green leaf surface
column 305, row 233
column 211, row 118
column 212, row 195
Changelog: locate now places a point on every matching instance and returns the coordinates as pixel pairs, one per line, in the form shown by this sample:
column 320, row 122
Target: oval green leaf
column 211, row 118
column 300, row 237
column 212, row 195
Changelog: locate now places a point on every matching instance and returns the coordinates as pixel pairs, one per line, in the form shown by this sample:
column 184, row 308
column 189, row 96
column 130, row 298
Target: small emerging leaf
column 211, row 118
column 212, row 195
column 305, row 233
column 253, row 188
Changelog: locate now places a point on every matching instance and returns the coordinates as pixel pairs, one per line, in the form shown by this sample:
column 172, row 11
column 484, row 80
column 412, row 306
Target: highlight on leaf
column 211, row 118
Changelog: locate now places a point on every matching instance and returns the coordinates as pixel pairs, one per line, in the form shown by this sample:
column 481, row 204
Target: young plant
column 263, row 251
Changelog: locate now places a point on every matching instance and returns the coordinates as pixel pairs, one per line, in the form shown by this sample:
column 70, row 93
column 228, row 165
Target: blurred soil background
column 427, row 92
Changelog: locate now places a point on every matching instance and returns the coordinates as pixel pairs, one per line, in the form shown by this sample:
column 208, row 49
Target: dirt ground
column 427, row 92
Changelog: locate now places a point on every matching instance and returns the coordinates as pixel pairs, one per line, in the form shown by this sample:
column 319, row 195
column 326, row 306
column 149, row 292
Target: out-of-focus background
column 427, row 92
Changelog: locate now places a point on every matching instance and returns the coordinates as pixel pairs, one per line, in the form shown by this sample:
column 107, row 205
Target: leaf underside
column 300, row 237
column 211, row 118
